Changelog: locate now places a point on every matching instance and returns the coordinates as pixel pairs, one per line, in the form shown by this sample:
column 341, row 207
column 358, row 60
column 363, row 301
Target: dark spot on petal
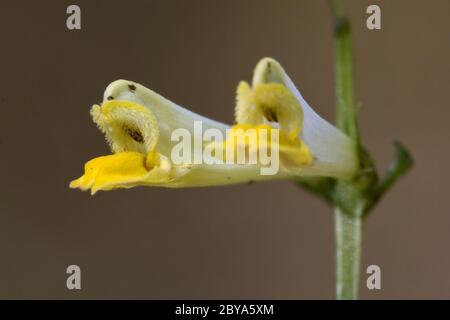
column 110, row 98
column 270, row 115
column 132, row 87
column 251, row 181
column 134, row 134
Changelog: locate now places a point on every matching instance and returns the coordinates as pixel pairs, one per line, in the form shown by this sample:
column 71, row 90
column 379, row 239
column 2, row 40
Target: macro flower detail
column 273, row 123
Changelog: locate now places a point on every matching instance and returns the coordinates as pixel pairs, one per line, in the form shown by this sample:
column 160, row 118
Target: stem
column 348, row 254
column 346, row 108
column 348, row 221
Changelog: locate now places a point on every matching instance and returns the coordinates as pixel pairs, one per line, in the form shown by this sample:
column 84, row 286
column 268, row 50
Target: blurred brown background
column 268, row 240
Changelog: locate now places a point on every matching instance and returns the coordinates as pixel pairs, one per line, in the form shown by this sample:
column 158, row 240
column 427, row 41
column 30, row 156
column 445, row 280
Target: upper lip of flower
column 137, row 120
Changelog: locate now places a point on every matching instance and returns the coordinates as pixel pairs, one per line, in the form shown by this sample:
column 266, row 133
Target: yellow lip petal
column 112, row 171
column 123, row 170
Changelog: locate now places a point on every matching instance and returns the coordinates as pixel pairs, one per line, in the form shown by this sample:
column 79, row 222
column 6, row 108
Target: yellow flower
column 277, row 135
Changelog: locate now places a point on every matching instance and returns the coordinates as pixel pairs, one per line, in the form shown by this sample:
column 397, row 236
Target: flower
column 144, row 131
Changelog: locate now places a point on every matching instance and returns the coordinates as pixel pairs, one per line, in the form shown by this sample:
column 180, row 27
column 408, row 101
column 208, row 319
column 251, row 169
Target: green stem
column 348, row 221
column 346, row 108
column 348, row 254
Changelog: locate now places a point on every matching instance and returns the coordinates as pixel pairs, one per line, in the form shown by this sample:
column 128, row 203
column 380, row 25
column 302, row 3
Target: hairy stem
column 348, row 254
column 348, row 222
